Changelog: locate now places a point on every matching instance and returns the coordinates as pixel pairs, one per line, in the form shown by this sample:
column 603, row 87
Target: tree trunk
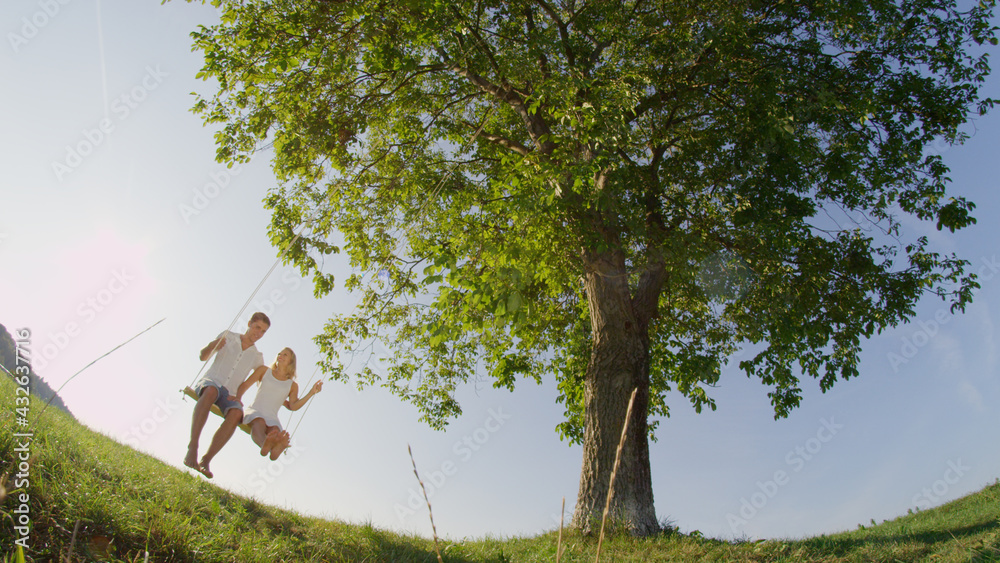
column 619, row 363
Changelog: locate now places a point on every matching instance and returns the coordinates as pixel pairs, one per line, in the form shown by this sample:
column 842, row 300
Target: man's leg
column 233, row 418
column 201, row 410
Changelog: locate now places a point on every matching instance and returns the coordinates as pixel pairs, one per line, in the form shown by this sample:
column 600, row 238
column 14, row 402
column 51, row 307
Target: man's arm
column 255, row 377
column 212, row 346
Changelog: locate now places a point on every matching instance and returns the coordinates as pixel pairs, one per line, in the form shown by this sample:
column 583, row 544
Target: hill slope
column 87, row 494
column 39, row 388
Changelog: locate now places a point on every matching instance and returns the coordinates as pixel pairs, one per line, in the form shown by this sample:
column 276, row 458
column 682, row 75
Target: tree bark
column 618, row 364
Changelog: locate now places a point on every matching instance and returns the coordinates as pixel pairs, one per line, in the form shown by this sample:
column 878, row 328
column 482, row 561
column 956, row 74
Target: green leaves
column 748, row 163
column 956, row 214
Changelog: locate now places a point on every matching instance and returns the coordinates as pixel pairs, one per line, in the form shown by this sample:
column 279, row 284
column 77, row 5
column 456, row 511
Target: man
column 236, row 356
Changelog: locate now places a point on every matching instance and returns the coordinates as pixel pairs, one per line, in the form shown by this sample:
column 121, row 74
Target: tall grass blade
column 614, row 470
column 562, row 516
column 56, row 394
column 429, row 510
column 72, row 542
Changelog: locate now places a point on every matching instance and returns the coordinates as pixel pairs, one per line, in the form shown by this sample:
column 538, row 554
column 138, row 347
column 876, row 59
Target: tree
column 615, row 194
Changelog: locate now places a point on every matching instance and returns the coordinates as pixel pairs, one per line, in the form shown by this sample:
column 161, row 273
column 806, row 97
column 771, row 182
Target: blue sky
column 115, row 215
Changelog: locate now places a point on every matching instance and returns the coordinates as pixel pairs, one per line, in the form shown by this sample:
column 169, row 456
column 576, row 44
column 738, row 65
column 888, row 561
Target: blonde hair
column 291, row 363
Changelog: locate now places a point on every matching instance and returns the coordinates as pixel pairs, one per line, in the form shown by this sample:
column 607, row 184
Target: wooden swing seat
column 215, row 408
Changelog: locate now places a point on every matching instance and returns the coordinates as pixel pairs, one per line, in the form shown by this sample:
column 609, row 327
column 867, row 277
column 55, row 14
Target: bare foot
column 204, row 470
column 191, row 460
column 283, row 441
column 269, row 441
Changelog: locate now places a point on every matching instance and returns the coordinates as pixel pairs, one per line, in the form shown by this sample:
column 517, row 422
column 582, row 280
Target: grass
column 123, row 504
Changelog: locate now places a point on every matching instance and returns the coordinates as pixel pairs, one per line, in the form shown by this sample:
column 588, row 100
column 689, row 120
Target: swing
column 191, row 392
column 246, row 427
column 188, row 391
column 215, row 408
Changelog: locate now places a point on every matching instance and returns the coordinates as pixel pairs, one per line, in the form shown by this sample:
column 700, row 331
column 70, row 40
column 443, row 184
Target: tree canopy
column 519, row 183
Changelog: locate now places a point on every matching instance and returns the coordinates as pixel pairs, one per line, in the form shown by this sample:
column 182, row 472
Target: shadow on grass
column 841, row 546
column 339, row 543
column 390, row 549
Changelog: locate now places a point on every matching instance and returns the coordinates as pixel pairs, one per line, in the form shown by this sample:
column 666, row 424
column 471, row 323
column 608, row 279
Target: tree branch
column 563, row 31
column 503, row 142
column 534, row 124
column 543, row 61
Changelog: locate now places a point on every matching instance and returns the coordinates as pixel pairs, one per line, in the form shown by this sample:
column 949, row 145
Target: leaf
column 513, row 302
column 715, row 176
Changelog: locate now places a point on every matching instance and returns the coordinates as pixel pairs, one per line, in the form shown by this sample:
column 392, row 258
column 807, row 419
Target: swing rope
column 291, row 413
column 308, row 222
column 408, row 229
column 437, row 188
column 189, row 391
column 246, row 304
column 434, row 192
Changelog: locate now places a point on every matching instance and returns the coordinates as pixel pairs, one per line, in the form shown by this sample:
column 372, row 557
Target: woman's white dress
column 270, row 396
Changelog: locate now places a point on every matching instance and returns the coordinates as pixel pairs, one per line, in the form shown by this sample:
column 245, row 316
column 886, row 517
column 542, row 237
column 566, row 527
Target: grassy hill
column 8, row 361
column 90, row 498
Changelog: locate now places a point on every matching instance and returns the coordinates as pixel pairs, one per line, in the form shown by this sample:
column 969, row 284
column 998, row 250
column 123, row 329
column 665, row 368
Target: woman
column 277, row 388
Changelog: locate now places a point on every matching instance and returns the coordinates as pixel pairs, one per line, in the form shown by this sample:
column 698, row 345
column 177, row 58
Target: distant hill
column 39, row 388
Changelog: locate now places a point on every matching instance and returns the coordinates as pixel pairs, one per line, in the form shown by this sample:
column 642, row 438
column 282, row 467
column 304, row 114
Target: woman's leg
column 281, row 443
column 258, row 431
column 269, row 440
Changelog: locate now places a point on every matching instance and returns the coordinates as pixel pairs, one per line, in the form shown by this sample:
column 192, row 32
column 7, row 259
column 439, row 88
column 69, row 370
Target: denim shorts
column 223, row 402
